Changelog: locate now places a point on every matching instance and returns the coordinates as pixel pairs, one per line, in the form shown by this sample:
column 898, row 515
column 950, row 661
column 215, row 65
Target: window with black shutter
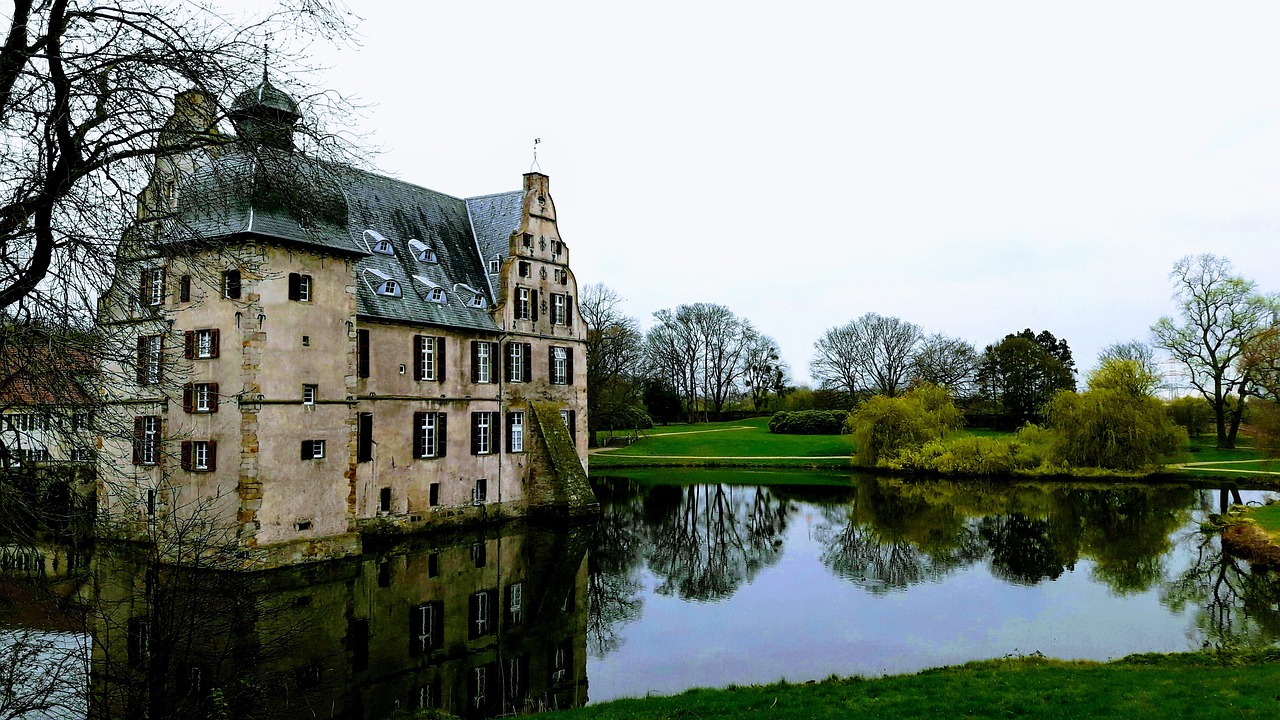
column 362, row 353
column 364, row 438
column 231, row 284
column 358, row 642
column 184, row 288
column 480, row 609
column 426, row 627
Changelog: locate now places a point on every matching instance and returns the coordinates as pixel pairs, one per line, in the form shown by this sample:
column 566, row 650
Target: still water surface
column 709, row 584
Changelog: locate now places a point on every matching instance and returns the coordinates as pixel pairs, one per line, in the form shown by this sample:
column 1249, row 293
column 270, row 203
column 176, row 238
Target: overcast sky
column 975, row 168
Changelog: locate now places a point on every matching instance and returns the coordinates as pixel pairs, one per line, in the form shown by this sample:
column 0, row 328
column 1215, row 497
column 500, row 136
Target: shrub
column 1112, row 428
column 886, row 426
column 808, row 422
column 1195, row 414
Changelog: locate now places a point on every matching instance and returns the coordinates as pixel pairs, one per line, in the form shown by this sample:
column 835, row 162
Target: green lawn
column 1195, row 685
column 745, row 438
column 1267, row 517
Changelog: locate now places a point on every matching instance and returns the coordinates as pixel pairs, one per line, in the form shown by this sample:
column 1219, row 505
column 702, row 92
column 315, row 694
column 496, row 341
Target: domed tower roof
column 265, row 114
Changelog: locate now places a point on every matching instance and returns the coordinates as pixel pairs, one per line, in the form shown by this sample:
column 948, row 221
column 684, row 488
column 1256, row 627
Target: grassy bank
column 749, row 444
column 1200, row 685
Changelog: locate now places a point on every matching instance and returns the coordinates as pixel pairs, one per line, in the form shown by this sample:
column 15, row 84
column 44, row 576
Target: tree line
column 701, row 360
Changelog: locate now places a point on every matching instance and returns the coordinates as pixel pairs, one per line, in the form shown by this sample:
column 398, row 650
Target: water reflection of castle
column 478, row 625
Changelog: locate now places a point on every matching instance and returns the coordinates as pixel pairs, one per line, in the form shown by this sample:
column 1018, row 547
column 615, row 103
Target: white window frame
column 427, row 358
column 515, row 362
column 558, row 305
column 309, row 393
column 484, row 362
column 304, row 288
column 430, row 435
column 560, row 365
column 484, row 441
column 201, row 398
column 484, row 613
column 200, row 454
column 204, row 343
column 517, row 431
column 155, row 353
column 149, row 453
column 515, row 604
column 523, row 304
column 155, row 287
column 426, row 627
column 494, row 266
column 317, row 449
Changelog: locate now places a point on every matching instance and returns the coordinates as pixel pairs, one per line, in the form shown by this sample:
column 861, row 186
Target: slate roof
column 288, row 198
column 494, row 218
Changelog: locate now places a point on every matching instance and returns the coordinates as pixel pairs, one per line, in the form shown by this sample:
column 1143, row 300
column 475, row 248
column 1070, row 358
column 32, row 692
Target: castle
column 317, row 352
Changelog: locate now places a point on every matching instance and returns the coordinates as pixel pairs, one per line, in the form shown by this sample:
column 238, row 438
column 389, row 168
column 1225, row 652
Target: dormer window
column 435, row 293
column 377, row 243
column 477, row 301
column 494, row 266
column 383, row 284
column 422, row 252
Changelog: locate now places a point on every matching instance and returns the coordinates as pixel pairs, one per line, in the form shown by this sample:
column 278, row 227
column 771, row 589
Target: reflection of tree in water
column 886, row 539
column 706, row 540
column 1235, row 605
column 613, row 583
column 893, row 534
column 1024, row 550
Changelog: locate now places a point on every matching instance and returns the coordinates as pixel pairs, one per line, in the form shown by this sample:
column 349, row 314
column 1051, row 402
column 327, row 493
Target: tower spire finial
column 535, row 156
column 266, row 54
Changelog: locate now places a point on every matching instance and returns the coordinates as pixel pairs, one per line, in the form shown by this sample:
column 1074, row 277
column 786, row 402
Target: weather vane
column 535, row 156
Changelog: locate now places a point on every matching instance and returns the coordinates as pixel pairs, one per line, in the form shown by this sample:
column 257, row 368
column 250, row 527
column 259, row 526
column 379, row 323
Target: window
column 200, row 397
column 482, row 359
column 527, row 240
column 426, row 628
column 429, row 695
column 362, row 353
column 26, row 422
column 433, row 494
column 309, row 394
column 139, row 649
column 375, row 241
column 299, row 287
column 199, row 455
column 364, row 437
column 428, row 352
column 480, row 613
column 433, row 565
column 524, row 304
column 561, row 309
column 495, row 265
column 525, row 269
column 430, row 434
column 515, row 432
column 479, row 556
column 231, row 284
column 515, row 604
column 146, row 440
column 200, row 344
column 422, row 253
column 389, row 288
column 480, row 493
column 312, row 450
column 384, row 500
column 184, row 288
column 81, row 454
column 483, row 441
column 152, row 291
column 519, row 367
column 436, row 296
column 558, row 663
column 79, row 421
column 382, row 283
column 478, row 301
column 561, row 366
column 570, row 423
column 306, row 341
column 150, row 352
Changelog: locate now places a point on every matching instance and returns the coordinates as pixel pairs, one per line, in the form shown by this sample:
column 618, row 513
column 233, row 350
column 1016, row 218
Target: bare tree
column 1219, row 313
column 947, row 362
column 700, row 350
column 871, row 354
column 615, row 357
column 764, row 371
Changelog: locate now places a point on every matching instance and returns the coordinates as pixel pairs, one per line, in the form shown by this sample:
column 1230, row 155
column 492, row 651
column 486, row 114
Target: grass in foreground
column 1199, row 685
column 1267, row 518
column 744, row 438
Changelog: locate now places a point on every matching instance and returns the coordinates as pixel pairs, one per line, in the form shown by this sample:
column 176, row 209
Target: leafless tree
column 947, row 362
column 764, row 370
column 700, row 349
column 871, row 354
column 1219, row 314
column 615, row 357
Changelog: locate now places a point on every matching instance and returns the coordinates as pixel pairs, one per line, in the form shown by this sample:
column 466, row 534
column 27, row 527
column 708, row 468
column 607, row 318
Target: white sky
column 975, row 168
